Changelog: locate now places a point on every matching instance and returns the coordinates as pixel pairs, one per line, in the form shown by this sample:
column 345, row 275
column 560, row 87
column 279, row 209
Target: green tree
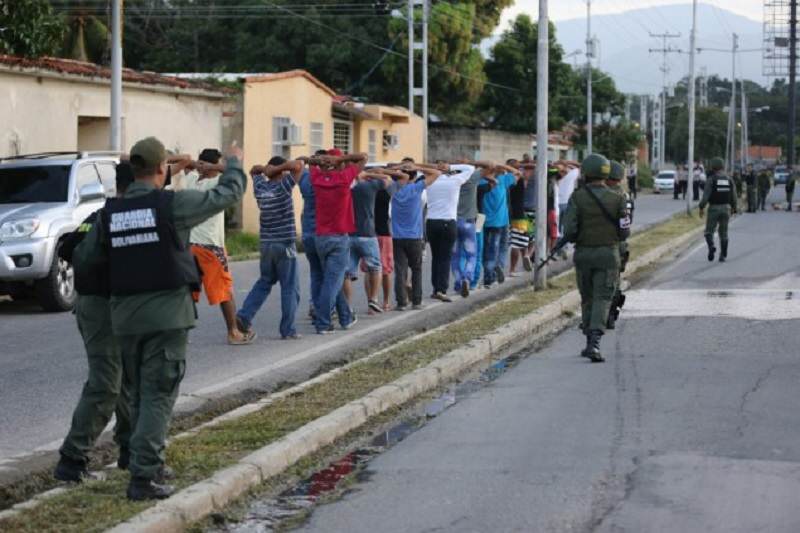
column 87, row 37
column 29, row 28
column 509, row 102
column 711, row 126
column 616, row 140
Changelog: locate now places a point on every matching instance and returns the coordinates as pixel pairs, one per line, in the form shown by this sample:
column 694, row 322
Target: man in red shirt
column 332, row 177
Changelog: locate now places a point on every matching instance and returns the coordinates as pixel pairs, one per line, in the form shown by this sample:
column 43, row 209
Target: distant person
column 495, row 207
column 633, row 182
column 465, row 251
column 308, row 224
column 790, row 183
column 764, row 181
column 751, row 183
column 698, row 180
column 720, row 197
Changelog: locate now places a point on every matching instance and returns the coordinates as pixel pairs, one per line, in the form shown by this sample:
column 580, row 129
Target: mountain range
column 625, row 40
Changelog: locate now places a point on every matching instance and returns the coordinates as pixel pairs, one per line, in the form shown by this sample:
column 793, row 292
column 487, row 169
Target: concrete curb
column 201, row 499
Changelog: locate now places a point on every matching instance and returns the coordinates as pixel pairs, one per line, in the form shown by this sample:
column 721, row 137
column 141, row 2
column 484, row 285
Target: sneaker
column 418, row 307
column 375, row 306
column 464, row 289
column 400, row 307
column 527, row 264
column 292, row 337
column 351, row 323
column 487, row 286
column 441, row 297
column 513, row 275
column 324, row 331
column 501, row 276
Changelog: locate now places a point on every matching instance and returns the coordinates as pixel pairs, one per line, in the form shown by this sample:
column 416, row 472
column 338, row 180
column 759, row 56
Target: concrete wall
column 40, row 113
column 450, row 143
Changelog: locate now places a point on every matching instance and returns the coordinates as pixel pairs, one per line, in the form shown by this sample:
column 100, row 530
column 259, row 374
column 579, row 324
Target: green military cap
column 148, row 153
column 717, row 163
column 595, row 166
column 617, row 171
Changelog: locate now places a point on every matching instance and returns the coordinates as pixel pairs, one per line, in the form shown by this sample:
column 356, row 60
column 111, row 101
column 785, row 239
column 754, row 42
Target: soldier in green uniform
column 750, row 182
column 104, row 392
column 764, row 185
column 720, row 197
column 614, row 182
column 596, row 220
column 790, row 183
column 144, row 238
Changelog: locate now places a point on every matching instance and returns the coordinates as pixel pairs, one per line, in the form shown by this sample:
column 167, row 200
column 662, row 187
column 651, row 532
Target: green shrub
column 241, row 243
column 645, row 177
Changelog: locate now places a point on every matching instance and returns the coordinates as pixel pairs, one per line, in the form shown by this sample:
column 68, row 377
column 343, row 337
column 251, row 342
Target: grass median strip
column 97, row 505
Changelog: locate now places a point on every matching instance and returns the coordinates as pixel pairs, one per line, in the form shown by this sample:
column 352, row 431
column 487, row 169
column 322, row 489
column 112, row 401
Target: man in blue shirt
column 407, row 240
column 495, row 207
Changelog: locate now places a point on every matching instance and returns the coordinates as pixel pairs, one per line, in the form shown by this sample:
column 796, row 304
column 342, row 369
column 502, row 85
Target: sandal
column 375, row 306
column 247, row 338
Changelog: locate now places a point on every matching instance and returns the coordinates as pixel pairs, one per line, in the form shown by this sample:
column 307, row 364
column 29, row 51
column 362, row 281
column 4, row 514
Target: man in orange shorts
column 208, row 247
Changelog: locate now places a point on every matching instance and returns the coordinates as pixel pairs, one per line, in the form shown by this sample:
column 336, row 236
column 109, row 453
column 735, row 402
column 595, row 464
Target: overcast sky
column 567, row 9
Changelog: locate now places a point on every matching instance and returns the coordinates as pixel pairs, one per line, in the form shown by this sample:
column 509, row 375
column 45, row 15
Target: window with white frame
column 343, row 135
column 316, row 140
column 281, row 136
column 372, row 145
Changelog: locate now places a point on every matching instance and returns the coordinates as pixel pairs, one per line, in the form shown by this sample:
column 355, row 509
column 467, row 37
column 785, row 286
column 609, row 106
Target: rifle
column 556, row 249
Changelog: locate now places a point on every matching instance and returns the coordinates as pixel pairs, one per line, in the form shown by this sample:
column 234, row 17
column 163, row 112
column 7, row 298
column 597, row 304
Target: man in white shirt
column 441, row 225
column 698, row 180
column 208, row 246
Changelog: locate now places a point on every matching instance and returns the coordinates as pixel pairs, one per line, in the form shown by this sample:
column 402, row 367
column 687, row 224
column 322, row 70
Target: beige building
column 290, row 114
column 51, row 104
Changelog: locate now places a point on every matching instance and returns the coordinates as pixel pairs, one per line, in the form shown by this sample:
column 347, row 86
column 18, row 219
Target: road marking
column 751, row 304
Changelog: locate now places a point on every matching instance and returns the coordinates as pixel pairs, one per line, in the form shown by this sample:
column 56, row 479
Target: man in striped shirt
column 272, row 187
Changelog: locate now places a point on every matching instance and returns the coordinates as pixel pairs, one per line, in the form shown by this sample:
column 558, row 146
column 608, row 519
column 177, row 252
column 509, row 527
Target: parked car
column 780, row 175
column 42, row 198
column 665, row 181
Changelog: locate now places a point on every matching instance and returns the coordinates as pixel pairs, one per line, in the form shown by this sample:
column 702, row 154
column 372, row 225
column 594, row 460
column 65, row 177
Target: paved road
column 44, row 364
column 692, row 424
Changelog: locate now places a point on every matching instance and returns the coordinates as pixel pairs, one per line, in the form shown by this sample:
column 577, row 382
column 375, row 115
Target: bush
column 645, row 177
column 241, row 243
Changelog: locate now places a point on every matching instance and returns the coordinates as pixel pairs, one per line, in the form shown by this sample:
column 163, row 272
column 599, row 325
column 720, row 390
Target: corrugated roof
column 298, row 73
column 91, row 70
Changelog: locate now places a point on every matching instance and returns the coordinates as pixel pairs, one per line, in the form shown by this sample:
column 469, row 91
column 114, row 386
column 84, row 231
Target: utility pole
column 413, row 46
column 730, row 149
column 115, row 141
column 690, row 165
column 542, row 141
column 589, row 55
column 792, row 81
column 664, row 50
column 743, row 132
column 704, row 87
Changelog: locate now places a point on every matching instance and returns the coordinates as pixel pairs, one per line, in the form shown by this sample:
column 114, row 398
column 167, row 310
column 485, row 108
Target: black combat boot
column 69, row 469
column 585, row 351
column 146, row 489
column 723, row 253
column 711, row 249
column 124, row 458
column 593, row 347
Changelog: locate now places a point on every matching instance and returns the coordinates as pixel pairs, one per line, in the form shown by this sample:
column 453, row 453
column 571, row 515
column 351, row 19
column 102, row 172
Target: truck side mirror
column 91, row 191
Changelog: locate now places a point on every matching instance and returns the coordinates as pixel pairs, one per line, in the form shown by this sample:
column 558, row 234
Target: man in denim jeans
column 332, row 176
column 308, row 223
column 364, row 242
column 272, row 187
column 465, row 250
column 495, row 207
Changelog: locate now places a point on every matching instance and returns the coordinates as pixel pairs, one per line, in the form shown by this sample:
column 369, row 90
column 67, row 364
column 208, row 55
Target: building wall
column 295, row 98
column 40, row 114
column 410, row 138
column 451, row 143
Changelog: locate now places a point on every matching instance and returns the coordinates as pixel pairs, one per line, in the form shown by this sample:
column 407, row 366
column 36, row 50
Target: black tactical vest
column 145, row 253
column 721, row 190
column 88, row 281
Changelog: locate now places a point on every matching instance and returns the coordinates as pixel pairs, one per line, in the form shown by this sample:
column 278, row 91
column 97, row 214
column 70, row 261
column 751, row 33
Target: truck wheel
column 56, row 292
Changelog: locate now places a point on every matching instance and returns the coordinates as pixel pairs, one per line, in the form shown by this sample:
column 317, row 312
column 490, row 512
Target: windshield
column 666, row 175
column 22, row 185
